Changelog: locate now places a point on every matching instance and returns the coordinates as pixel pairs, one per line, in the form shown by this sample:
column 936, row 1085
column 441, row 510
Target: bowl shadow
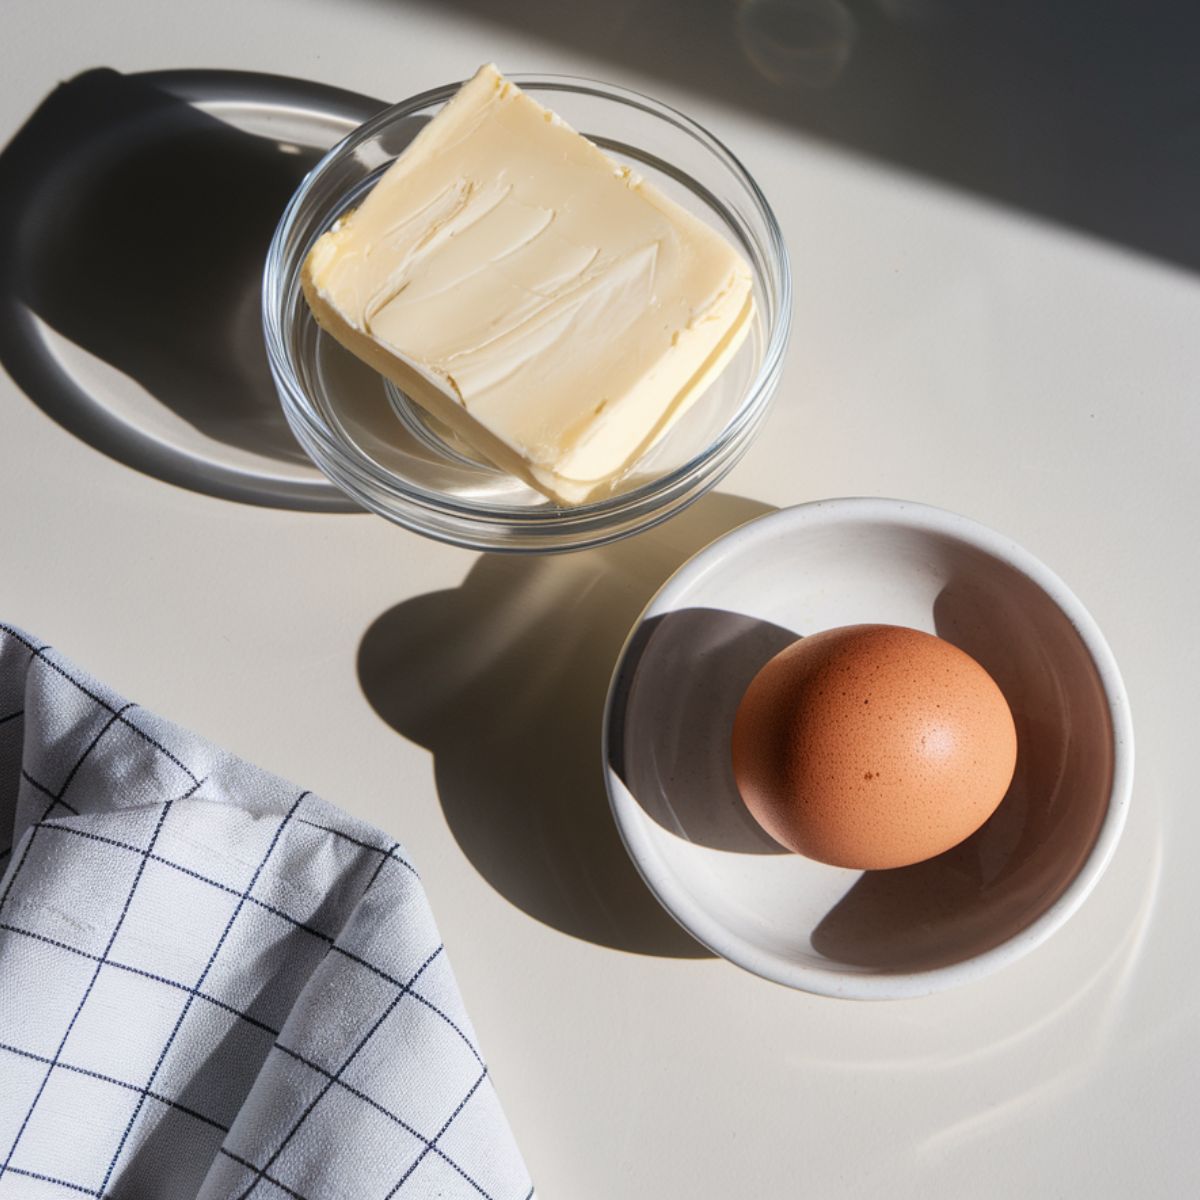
column 133, row 231
column 504, row 679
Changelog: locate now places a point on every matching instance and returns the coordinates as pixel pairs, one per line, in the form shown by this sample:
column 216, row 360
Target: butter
column 555, row 310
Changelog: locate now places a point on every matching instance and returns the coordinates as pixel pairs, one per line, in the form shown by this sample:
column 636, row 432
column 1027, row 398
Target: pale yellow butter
column 555, row 310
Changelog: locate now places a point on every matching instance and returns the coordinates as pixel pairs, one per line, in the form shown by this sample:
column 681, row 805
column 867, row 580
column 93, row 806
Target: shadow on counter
column 133, row 229
column 504, row 679
column 1081, row 112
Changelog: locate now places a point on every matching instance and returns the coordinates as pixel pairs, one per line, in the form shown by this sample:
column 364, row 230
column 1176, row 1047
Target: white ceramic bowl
column 875, row 934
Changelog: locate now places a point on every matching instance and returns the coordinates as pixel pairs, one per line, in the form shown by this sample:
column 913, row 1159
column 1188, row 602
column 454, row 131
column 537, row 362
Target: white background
column 946, row 349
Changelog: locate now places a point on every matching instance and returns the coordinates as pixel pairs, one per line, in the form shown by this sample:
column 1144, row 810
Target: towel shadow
column 175, row 1154
column 133, row 231
column 504, row 679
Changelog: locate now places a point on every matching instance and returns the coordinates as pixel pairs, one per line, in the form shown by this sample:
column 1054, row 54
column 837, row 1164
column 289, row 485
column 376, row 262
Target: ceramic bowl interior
column 389, row 456
column 840, row 932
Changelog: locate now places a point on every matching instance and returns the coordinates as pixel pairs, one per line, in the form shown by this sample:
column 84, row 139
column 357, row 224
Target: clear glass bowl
column 386, row 453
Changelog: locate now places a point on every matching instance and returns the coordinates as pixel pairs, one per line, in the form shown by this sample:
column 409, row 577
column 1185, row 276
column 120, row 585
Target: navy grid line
column 132, row 1087
column 433, row 1008
column 216, row 883
column 389, row 853
column 277, row 912
column 132, row 970
column 41, row 787
column 212, row 958
column 12, row 716
column 362, row 962
column 20, row 863
column 437, row 1136
column 62, row 791
column 391, row 1116
column 75, row 1187
column 383, row 1016
column 378, row 867
column 23, row 640
column 88, row 991
column 39, row 652
column 283, row 1187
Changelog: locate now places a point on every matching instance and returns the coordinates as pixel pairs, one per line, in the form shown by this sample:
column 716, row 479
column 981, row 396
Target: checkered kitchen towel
column 212, row 984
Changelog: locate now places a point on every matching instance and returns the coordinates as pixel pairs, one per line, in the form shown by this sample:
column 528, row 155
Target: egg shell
column 872, row 746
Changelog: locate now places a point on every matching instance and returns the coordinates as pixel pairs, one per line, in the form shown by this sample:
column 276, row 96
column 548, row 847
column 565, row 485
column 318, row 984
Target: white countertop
column 947, row 348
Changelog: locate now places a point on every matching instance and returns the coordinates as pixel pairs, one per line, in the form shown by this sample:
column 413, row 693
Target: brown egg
column 872, row 746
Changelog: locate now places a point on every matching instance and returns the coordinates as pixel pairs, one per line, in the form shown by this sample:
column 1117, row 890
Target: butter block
column 554, row 309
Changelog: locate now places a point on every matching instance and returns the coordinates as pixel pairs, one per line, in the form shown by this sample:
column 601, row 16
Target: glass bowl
column 390, row 456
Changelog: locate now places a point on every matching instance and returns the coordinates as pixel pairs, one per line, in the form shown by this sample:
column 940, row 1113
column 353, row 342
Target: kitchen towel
column 212, row 983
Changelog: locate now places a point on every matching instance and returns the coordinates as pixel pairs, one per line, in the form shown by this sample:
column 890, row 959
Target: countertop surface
column 992, row 229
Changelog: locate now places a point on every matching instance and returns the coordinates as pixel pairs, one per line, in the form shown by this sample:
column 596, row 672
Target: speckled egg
column 872, row 746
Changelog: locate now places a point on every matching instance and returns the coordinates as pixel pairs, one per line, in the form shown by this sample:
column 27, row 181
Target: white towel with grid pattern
column 212, row 984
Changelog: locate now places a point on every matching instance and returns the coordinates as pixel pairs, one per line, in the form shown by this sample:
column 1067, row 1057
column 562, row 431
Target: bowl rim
column 849, row 512
column 592, row 523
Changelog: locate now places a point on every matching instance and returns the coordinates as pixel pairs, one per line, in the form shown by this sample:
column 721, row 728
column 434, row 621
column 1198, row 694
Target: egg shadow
column 133, row 230
column 504, row 679
column 674, row 702
column 994, row 884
